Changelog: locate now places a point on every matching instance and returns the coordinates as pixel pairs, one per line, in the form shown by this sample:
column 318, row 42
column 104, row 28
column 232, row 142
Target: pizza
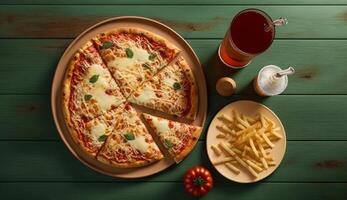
column 178, row 138
column 134, row 55
column 172, row 90
column 104, row 80
column 130, row 144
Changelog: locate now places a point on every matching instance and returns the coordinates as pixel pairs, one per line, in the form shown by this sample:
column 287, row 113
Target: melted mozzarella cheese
column 96, row 69
column 139, row 143
column 104, row 100
column 97, row 89
column 169, row 81
column 162, row 126
column 145, row 96
column 140, row 56
column 97, row 130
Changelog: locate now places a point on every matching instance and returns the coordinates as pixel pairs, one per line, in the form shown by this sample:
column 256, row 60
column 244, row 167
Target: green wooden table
column 35, row 164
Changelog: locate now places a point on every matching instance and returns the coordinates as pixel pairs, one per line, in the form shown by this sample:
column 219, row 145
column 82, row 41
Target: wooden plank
column 305, row 117
column 175, row 2
column 34, row 70
column 192, row 21
column 92, row 191
column 319, row 71
column 51, row 161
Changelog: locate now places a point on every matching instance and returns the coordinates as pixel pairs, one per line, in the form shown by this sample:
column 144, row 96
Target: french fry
column 250, row 120
column 276, row 129
column 224, row 147
column 221, row 136
column 244, row 152
column 224, row 129
column 272, row 163
column 232, row 168
column 251, row 143
column 264, row 163
column 242, row 122
column 237, row 151
column 240, row 126
column 256, row 167
column 267, row 140
column 224, row 160
column 279, row 136
column 269, row 121
column 262, row 150
column 253, row 160
column 269, row 158
column 263, row 122
column 244, row 118
column 225, row 118
column 250, row 169
column 216, row 151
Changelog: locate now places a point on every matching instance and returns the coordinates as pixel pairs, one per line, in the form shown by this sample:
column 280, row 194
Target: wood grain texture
column 130, row 191
column 319, row 71
column 305, row 117
column 51, row 161
column 191, row 21
column 37, row 165
column 175, row 2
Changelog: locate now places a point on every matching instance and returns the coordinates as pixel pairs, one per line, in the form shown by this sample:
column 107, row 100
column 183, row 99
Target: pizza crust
column 134, row 164
column 196, row 134
column 148, row 34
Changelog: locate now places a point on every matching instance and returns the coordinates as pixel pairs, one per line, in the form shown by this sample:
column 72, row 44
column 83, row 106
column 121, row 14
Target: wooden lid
column 226, row 86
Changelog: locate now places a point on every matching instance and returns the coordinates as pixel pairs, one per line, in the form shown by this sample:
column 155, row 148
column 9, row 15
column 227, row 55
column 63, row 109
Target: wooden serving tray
column 126, row 21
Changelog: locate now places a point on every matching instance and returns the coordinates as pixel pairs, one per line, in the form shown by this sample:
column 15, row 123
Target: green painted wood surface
column 309, row 117
column 176, row 2
column 305, row 161
column 312, row 59
column 191, row 21
column 36, row 164
column 130, row 191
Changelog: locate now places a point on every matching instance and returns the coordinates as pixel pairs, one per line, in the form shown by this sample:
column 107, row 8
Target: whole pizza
column 112, row 76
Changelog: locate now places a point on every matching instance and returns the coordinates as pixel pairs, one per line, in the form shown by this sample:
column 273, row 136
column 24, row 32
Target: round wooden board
column 249, row 108
column 126, row 21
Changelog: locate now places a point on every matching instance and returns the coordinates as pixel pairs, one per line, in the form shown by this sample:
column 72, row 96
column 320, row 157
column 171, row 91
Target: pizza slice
column 178, row 138
column 134, row 55
column 130, row 145
column 91, row 135
column 89, row 89
column 172, row 90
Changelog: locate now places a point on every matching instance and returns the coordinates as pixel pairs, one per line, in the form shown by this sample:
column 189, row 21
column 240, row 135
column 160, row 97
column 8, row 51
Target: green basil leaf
column 146, row 66
column 94, row 78
column 106, row 45
column 168, row 143
column 102, row 138
column 152, row 56
column 129, row 52
column 129, row 136
column 87, row 97
column 176, row 86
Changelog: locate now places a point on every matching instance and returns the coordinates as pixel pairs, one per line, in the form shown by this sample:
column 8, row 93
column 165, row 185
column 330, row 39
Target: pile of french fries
column 245, row 142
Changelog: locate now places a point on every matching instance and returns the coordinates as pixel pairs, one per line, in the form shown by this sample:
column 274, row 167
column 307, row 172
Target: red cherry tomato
column 198, row 181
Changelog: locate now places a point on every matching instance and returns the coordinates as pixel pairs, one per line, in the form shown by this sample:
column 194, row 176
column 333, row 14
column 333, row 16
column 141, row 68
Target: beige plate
column 249, row 108
column 126, row 21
